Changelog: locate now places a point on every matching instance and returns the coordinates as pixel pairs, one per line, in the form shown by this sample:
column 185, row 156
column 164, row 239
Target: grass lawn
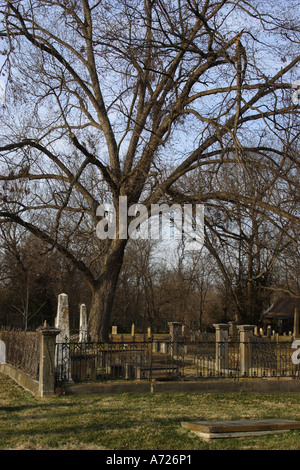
column 135, row 421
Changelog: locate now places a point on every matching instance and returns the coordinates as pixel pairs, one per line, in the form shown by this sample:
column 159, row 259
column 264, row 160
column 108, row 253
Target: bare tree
column 124, row 98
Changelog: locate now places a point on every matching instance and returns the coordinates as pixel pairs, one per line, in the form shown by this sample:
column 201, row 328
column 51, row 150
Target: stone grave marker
column 83, row 336
column 63, row 360
column 2, row 353
column 209, row 430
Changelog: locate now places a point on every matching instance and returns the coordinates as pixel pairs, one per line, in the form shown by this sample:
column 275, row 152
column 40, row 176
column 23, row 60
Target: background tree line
column 237, row 279
column 159, row 101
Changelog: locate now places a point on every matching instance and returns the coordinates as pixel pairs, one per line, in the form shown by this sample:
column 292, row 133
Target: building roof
column 284, row 307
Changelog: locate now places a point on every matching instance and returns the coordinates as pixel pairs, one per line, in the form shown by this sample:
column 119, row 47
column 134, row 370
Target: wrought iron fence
column 272, row 359
column 102, row 361
column 149, row 359
column 181, row 360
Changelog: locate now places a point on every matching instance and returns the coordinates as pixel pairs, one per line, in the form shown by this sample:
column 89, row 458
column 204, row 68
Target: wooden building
column 281, row 314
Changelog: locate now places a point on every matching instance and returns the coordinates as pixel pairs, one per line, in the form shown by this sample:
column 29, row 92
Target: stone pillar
column 246, row 337
column 222, row 334
column 132, row 329
column 47, row 360
column 296, row 323
column 83, row 336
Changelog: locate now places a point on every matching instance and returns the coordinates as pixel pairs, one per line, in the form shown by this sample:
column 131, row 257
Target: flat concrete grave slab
column 209, row 430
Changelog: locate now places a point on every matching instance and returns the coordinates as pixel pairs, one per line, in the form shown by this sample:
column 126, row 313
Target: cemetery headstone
column 2, row 353
column 296, row 323
column 62, row 318
column 114, row 330
column 63, row 359
column 83, row 336
column 175, row 329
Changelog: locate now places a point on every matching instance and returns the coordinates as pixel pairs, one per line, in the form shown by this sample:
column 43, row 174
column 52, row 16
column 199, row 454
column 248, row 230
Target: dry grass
column 135, row 422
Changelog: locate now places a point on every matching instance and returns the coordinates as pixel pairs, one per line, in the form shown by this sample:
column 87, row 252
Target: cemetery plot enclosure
column 49, row 358
column 49, row 362
column 233, row 351
column 181, row 360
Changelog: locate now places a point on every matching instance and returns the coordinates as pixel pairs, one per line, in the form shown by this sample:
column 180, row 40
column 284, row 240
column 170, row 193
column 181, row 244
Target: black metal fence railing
column 272, row 359
column 149, row 358
column 167, row 360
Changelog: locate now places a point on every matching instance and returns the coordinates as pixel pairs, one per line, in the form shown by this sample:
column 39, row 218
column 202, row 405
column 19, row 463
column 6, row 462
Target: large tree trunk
column 103, row 292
